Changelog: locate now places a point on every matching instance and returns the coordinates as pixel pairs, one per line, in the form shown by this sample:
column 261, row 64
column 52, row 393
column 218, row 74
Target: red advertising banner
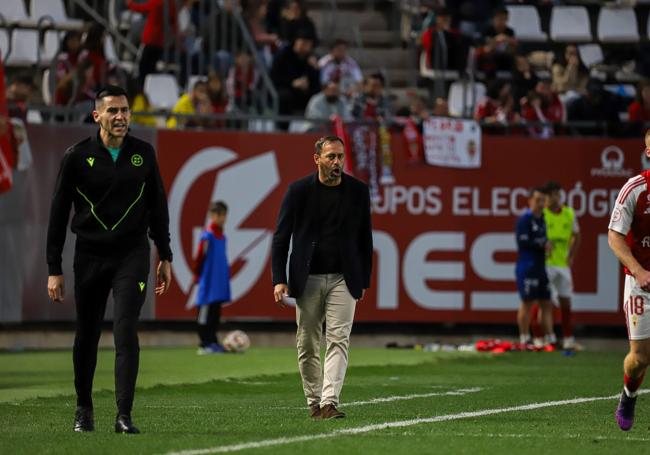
column 444, row 242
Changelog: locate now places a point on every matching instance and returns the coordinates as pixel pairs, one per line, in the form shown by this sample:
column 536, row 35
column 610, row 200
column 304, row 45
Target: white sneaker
column 538, row 342
column 569, row 343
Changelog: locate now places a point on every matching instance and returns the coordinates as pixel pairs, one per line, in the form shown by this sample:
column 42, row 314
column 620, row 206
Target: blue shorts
column 533, row 284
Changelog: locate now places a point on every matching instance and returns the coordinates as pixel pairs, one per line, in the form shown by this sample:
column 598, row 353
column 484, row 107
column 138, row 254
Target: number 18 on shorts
column 634, row 303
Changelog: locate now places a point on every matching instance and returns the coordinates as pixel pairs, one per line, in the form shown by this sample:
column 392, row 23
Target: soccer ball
column 236, row 341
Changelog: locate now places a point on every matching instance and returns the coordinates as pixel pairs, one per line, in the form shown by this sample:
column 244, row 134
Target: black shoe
column 123, row 424
column 83, row 419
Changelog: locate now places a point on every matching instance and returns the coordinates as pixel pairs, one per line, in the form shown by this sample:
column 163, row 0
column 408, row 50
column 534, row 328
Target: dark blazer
column 297, row 219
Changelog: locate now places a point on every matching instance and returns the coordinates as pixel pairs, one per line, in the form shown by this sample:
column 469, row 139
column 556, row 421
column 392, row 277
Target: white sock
column 630, row 394
column 524, row 338
column 550, row 338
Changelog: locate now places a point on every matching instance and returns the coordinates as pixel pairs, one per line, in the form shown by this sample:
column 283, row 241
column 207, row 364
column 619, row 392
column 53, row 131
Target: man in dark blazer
column 328, row 216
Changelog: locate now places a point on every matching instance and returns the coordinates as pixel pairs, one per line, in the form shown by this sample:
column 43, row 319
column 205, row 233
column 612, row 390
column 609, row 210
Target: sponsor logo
column 137, row 160
column 645, row 242
column 612, row 159
column 244, row 185
column 616, row 215
column 91, row 161
column 141, row 284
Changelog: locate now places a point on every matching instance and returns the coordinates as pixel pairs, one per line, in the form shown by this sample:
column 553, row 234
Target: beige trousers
column 326, row 297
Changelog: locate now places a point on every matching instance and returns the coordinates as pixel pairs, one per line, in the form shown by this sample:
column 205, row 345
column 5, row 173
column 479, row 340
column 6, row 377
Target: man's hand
column 279, row 291
column 56, row 288
column 163, row 277
column 643, row 279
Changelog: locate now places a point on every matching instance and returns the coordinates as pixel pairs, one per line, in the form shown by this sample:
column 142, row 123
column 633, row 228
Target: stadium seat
column 24, row 47
column 55, row 10
column 455, row 98
column 14, row 13
column 193, row 79
column 161, row 90
column 570, row 24
column 617, row 25
column 524, row 20
column 591, row 54
column 624, row 90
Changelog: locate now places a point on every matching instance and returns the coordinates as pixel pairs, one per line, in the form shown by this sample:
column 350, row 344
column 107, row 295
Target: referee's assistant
column 114, row 183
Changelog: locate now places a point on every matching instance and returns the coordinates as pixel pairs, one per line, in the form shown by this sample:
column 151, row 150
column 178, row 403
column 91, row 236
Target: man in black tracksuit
column 114, row 183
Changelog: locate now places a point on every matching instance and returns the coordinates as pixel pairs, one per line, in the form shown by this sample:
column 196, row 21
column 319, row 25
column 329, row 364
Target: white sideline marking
column 457, row 392
column 396, row 424
column 544, row 436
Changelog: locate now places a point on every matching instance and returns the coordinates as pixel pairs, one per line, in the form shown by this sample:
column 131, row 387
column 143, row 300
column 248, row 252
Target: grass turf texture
column 189, row 402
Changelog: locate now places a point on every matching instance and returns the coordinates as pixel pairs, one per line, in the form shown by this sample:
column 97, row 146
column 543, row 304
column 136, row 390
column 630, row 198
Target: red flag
column 413, row 141
column 7, row 155
column 339, row 130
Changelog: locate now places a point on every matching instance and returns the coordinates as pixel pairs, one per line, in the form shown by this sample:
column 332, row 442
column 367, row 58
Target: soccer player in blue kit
column 532, row 281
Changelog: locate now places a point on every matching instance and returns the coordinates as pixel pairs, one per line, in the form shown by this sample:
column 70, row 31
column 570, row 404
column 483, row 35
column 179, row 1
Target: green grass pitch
column 253, row 403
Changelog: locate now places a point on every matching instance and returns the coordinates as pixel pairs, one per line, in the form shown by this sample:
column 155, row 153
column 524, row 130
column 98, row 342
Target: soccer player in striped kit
column 629, row 239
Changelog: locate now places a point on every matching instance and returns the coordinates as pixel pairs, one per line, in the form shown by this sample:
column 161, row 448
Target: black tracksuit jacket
column 115, row 203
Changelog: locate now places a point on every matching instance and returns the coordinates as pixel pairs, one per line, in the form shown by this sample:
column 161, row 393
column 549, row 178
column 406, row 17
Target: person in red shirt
column 218, row 97
column 497, row 109
column 153, row 34
column 629, row 231
column 639, row 110
column 542, row 105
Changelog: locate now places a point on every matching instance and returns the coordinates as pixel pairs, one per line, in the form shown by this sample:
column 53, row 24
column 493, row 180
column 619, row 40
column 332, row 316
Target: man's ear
column 96, row 116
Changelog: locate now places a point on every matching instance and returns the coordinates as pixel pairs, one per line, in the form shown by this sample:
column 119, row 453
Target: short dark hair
column 110, row 90
column 536, row 189
column 320, row 143
column 501, row 10
column 552, row 186
column 218, row 207
column 339, row 42
column 379, row 77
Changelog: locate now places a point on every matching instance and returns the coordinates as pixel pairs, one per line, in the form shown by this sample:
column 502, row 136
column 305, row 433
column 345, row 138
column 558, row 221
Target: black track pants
column 95, row 276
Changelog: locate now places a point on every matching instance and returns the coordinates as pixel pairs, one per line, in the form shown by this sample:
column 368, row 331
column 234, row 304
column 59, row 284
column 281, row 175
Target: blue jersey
column 531, row 242
column 532, row 281
column 214, row 280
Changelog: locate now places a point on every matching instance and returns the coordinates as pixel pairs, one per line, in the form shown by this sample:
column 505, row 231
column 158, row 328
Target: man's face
column 553, row 199
column 19, row 91
column 339, row 51
column 374, row 88
column 330, row 161
column 500, row 21
column 113, row 115
column 331, row 92
column 536, row 202
column 443, row 22
column 218, row 218
column 200, row 93
column 302, row 47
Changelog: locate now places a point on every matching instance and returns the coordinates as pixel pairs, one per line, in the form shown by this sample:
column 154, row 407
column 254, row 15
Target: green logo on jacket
column 137, row 160
column 91, row 161
column 141, row 284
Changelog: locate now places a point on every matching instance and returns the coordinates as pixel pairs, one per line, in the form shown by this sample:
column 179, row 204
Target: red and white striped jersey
column 631, row 217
